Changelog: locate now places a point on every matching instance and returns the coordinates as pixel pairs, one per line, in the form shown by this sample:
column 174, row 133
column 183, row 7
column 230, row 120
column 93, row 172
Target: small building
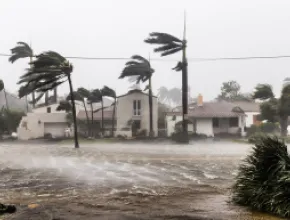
column 210, row 118
column 41, row 121
column 252, row 110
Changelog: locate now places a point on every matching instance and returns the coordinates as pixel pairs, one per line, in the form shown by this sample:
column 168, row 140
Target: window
column 234, row 122
column 137, row 107
column 215, row 122
column 48, row 110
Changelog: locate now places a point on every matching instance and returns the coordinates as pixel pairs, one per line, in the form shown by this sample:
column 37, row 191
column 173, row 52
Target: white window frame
column 137, row 107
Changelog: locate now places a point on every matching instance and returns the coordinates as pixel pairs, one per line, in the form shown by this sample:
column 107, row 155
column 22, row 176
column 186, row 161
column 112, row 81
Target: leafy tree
column 230, row 91
column 140, row 67
column 108, row 92
column 48, row 71
column 272, row 109
column 170, row 45
column 9, row 120
column 2, row 88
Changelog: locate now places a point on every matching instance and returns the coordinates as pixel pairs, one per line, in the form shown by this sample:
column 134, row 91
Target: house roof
column 248, row 106
column 135, row 91
column 108, row 114
column 213, row 109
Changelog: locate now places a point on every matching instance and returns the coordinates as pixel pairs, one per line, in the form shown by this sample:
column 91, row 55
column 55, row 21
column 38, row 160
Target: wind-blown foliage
column 263, row 180
column 95, row 96
column 168, row 45
column 64, row 106
column 46, row 72
column 108, row 92
column 22, row 50
column 139, row 68
column 272, row 109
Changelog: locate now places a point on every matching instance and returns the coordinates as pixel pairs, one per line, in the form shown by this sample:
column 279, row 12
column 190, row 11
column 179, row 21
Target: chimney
column 200, row 100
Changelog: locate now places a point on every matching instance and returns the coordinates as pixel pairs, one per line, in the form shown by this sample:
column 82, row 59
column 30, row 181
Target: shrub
column 47, row 136
column 263, row 180
column 179, row 137
column 267, row 127
column 142, row 133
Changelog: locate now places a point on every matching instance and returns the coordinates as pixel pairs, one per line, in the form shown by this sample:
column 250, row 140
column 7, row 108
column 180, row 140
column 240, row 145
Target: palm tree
column 48, row 71
column 2, row 88
column 170, row 45
column 139, row 66
column 23, row 50
column 80, row 95
column 95, row 96
column 108, row 92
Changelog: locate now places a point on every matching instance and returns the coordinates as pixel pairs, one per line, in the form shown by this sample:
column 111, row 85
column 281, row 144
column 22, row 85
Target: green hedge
column 263, row 180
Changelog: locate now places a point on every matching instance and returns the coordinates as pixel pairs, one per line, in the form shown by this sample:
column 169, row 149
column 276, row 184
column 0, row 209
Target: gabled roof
column 135, row 91
column 248, row 106
column 212, row 110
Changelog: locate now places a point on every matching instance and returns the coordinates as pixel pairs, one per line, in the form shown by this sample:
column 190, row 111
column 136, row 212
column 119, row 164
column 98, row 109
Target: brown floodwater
column 122, row 181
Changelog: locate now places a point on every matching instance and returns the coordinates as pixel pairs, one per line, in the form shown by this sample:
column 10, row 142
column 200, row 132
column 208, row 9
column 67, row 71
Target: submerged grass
column 263, row 181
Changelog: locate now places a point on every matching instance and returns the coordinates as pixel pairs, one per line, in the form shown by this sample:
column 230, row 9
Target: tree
column 170, row 45
column 23, row 50
column 2, row 88
column 140, row 67
column 81, row 95
column 272, row 109
column 95, row 96
column 230, row 91
column 48, row 71
column 108, row 92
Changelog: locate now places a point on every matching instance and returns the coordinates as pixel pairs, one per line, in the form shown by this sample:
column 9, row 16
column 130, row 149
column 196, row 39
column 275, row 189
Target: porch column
column 242, row 124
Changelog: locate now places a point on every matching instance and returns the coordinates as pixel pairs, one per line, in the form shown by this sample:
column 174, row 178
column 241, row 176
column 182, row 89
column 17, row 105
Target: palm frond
column 106, row 91
column 161, row 38
column 167, row 47
column 141, row 59
column 22, row 50
column 83, row 92
column 178, row 67
column 37, row 99
column 169, row 52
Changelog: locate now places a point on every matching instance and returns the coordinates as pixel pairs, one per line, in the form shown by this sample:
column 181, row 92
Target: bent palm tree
column 170, row 45
column 95, row 96
column 48, row 71
column 22, row 50
column 108, row 92
column 140, row 67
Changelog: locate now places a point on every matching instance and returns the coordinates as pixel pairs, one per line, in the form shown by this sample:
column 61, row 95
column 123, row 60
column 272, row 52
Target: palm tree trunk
column 113, row 118
column 151, row 132
column 73, row 112
column 284, row 125
column 6, row 100
column 33, row 93
column 92, row 113
column 46, row 98
column 55, row 95
column 184, row 97
column 103, row 131
column 27, row 106
column 87, row 116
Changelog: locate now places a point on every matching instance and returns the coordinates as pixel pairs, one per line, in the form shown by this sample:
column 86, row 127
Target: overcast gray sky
column 117, row 28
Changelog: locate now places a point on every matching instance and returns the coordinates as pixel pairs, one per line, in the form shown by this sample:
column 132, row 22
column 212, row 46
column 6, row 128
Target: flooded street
column 122, row 181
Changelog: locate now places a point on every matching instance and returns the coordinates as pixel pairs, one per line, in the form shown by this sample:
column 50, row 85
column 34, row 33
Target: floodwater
column 122, row 181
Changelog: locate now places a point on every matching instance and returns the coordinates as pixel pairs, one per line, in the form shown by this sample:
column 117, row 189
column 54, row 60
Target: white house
column 133, row 113
column 210, row 118
column 251, row 109
column 131, row 117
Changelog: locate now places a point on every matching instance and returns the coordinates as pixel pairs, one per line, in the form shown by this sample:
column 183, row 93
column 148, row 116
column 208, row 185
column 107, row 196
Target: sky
column 117, row 28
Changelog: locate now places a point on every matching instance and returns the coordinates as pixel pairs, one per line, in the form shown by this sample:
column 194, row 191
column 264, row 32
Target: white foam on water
column 210, row 176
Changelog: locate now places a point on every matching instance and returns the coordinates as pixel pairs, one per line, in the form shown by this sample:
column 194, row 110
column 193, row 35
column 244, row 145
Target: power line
column 172, row 60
